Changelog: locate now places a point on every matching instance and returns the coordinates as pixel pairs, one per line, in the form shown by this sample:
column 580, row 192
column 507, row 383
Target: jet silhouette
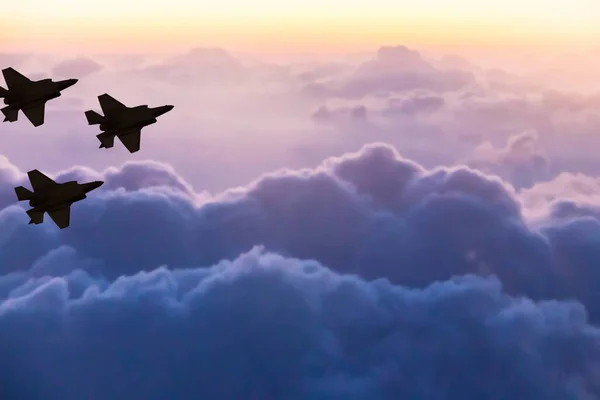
column 123, row 122
column 53, row 197
column 29, row 96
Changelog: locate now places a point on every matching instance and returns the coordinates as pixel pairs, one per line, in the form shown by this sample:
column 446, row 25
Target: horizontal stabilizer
column 10, row 114
column 23, row 193
column 3, row 92
column 106, row 140
column 36, row 217
column 61, row 217
column 131, row 140
column 94, row 118
column 36, row 114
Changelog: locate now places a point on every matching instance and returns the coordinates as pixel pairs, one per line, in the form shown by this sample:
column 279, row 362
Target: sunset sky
column 350, row 199
column 315, row 25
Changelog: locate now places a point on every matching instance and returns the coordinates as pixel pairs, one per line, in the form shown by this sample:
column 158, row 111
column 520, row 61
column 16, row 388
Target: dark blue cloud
column 125, row 303
column 264, row 326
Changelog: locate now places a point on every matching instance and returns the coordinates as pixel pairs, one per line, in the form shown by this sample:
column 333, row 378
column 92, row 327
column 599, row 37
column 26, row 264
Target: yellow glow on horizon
column 124, row 25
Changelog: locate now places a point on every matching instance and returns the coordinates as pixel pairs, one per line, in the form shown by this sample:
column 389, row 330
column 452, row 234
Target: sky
column 380, row 200
column 320, row 26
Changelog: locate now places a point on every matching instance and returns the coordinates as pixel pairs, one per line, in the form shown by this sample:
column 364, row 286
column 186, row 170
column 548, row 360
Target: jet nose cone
column 68, row 83
column 94, row 185
column 163, row 110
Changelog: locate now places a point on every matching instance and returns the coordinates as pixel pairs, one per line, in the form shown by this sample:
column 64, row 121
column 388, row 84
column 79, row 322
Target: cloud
column 229, row 105
column 455, row 61
column 394, row 69
column 78, row 67
column 199, row 64
column 265, row 326
column 358, row 279
column 520, row 161
column 418, row 104
column 14, row 59
column 371, row 213
column 323, row 71
column 325, row 114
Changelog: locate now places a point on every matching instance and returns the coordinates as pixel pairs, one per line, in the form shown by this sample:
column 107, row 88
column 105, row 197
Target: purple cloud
column 382, row 277
column 78, row 67
column 521, row 161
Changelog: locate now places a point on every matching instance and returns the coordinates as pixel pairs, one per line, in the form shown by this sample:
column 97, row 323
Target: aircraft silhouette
column 52, row 197
column 30, row 97
column 123, row 122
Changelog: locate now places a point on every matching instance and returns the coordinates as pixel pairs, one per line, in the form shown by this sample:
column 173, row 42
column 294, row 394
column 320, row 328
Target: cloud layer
column 264, row 326
column 369, row 276
column 438, row 109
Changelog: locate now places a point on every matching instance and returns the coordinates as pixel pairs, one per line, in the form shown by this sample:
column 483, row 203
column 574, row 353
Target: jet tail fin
column 94, row 118
column 23, row 193
column 106, row 140
column 3, row 92
column 10, row 114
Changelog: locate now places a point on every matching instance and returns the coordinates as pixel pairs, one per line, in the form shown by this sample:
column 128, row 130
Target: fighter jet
column 29, row 96
column 53, row 197
column 124, row 122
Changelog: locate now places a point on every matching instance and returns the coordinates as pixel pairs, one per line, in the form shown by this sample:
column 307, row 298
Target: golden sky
column 303, row 25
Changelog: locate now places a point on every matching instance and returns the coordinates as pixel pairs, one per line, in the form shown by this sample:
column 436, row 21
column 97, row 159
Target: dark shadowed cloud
column 264, row 326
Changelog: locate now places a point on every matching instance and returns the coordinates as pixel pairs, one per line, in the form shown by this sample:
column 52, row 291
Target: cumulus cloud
column 325, row 114
column 78, row 67
column 521, row 161
column 322, row 71
column 229, row 105
column 265, row 326
column 371, row 213
column 455, row 61
column 14, row 59
column 417, row 104
column 369, row 276
column 394, row 69
column 206, row 64
column 366, row 277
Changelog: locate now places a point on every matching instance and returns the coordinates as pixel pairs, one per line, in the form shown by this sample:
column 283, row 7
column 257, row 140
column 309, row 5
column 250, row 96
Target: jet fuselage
column 36, row 93
column 135, row 117
column 56, row 197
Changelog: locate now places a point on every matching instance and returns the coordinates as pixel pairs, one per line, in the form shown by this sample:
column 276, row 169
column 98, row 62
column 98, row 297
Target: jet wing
column 35, row 114
column 39, row 180
column 61, row 217
column 131, row 140
column 14, row 79
column 110, row 105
